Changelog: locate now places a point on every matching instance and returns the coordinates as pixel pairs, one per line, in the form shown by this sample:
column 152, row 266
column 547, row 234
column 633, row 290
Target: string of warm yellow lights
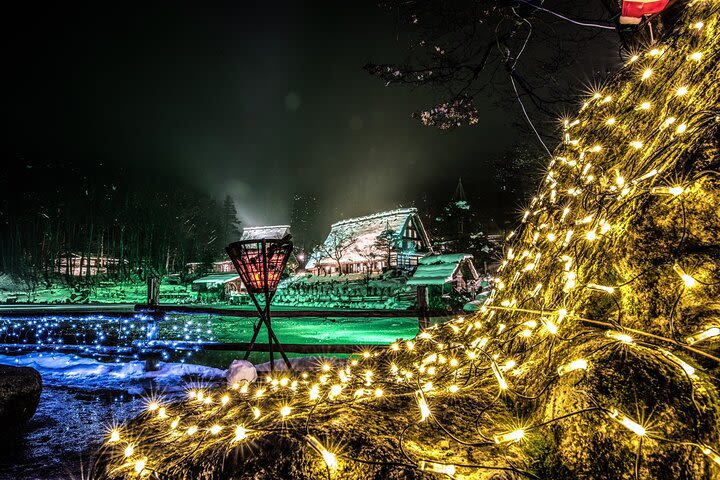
column 474, row 396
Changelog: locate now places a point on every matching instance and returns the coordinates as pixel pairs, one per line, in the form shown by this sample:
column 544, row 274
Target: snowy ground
column 81, row 399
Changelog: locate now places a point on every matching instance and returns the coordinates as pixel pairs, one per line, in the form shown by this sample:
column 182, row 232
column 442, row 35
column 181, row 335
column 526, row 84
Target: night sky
column 257, row 101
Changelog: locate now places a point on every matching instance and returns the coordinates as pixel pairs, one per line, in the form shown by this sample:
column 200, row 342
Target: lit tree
column 596, row 356
column 336, row 245
column 387, row 241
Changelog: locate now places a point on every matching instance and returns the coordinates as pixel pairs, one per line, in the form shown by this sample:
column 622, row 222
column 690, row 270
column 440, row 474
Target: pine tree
column 231, row 223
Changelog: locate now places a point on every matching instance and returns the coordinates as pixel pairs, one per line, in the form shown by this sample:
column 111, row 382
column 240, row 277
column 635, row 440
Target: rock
column 241, row 371
column 20, row 389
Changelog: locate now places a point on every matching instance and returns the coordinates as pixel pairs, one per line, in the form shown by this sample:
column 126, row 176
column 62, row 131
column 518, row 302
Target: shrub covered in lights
column 595, row 356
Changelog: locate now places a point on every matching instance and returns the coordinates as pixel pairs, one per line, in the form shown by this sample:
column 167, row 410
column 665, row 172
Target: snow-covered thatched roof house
column 369, row 244
column 274, row 232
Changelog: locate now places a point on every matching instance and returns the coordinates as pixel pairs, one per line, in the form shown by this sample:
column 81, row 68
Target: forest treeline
column 150, row 225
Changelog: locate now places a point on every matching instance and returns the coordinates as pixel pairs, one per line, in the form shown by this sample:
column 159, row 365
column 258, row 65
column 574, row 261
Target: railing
column 157, row 311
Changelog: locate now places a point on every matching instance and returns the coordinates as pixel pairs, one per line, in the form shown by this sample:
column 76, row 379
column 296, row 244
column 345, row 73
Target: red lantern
column 260, row 264
column 634, row 10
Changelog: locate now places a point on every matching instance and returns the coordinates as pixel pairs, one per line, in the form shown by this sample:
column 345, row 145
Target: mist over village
column 361, row 240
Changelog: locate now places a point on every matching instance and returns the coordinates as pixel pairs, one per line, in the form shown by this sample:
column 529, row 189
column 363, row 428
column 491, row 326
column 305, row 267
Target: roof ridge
column 374, row 216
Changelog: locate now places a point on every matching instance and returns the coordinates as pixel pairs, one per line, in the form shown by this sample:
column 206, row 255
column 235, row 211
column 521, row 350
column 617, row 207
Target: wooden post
column 423, row 318
column 153, row 290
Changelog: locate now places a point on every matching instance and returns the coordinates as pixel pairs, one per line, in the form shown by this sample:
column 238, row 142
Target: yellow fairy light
column 153, row 406
column 424, row 407
column 619, row 336
column 453, row 362
column 596, row 148
column 655, row 52
column 549, row 326
column 561, row 314
column 634, row 427
column 215, row 429
column 697, row 56
column 645, row 106
column 681, row 129
column 514, row 436
column 711, row 454
column 240, row 433
column 646, row 74
column 689, row 281
column 591, row 235
column 114, row 436
column 378, row 392
column 162, row 413
column 551, row 237
column 453, row 388
column 607, row 99
column 636, row 144
column 698, row 25
column 129, row 450
column 225, row 399
column 633, row 59
column 499, row 376
column 395, row 346
column 335, row 390
column 329, row 457
column 140, row 465
column 256, row 412
column 285, row 410
column 610, row 121
column 674, row 191
column 704, row 335
column 569, row 281
column 687, row 368
column 601, row 288
column 174, row 424
column 681, row 91
column 192, row 430
column 434, row 467
column 579, row 364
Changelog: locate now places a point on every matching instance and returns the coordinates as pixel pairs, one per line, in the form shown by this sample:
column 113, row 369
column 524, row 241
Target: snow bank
column 87, row 373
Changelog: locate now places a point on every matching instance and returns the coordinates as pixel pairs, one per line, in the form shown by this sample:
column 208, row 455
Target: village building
column 455, row 270
column 371, row 244
column 445, row 276
column 77, row 265
column 218, row 285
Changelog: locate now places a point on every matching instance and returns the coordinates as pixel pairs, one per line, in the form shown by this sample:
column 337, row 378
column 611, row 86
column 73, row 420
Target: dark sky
column 258, row 101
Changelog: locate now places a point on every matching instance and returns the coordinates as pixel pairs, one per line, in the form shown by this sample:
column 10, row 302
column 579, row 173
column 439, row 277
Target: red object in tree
column 633, row 10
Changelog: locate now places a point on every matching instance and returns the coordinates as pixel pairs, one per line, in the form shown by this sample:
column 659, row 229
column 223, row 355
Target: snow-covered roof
column 218, row 278
column 273, row 232
column 441, row 269
column 363, row 233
